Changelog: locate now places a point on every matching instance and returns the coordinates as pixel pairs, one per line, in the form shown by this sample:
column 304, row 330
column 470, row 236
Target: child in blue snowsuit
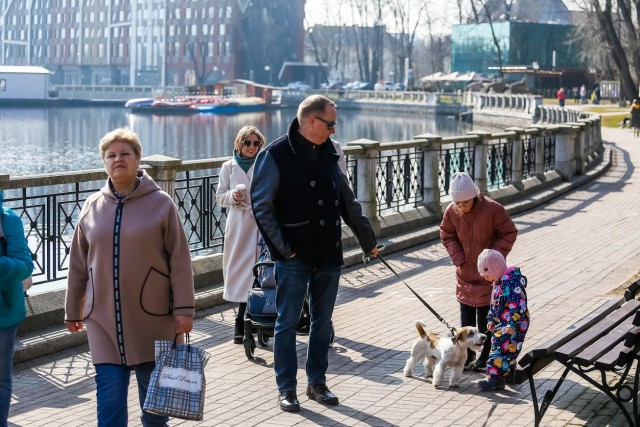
column 508, row 317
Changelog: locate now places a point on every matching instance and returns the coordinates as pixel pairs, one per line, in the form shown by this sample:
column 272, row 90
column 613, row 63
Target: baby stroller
column 260, row 316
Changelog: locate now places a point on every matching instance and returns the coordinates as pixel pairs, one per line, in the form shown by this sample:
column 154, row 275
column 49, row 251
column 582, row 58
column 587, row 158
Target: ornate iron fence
column 499, row 162
column 49, row 205
column 455, row 156
column 399, row 179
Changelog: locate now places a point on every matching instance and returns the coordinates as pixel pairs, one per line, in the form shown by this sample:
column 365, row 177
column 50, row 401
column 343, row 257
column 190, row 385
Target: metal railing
column 386, row 177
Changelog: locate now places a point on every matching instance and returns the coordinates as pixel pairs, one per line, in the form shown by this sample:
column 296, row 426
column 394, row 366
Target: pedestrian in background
column 16, row 265
column 508, row 319
column 561, row 96
column 470, row 224
column 130, row 278
column 635, row 117
column 299, row 195
column 241, row 233
column 583, row 94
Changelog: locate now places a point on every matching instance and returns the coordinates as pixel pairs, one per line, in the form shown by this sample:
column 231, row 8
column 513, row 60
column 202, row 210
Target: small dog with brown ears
column 441, row 352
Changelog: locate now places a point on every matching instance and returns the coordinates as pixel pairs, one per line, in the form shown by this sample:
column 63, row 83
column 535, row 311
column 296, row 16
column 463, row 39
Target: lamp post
column 267, row 69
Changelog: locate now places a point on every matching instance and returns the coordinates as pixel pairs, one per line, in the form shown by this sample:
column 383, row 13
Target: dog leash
column 367, row 258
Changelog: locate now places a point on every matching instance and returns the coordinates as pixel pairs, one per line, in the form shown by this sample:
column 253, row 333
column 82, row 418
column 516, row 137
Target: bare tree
column 487, row 11
column 198, row 53
column 408, row 16
column 369, row 37
column 618, row 24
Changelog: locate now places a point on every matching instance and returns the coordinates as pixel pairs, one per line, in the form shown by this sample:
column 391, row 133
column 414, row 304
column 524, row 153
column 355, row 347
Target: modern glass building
column 536, row 45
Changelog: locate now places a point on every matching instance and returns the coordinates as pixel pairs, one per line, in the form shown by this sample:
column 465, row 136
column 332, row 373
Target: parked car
column 365, row 86
column 298, row 85
column 383, row 85
column 336, row 86
column 398, row 86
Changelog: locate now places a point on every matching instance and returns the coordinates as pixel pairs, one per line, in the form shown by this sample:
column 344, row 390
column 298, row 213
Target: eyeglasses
column 330, row 125
column 248, row 143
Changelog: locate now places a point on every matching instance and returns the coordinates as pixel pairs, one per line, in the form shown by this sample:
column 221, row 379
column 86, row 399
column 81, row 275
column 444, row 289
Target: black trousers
column 476, row 316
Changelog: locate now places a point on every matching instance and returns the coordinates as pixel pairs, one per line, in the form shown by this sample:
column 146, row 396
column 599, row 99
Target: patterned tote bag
column 177, row 383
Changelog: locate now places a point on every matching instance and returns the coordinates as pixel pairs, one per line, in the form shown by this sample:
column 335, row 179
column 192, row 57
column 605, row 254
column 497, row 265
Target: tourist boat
column 231, row 105
column 193, row 104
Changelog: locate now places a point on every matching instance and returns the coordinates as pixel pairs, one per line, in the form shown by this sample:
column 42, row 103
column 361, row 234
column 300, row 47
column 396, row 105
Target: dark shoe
column 238, row 331
column 492, row 384
column 468, row 365
column 288, row 401
column 321, row 394
column 479, row 366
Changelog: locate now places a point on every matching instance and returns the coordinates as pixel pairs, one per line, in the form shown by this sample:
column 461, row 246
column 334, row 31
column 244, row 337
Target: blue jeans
column 293, row 275
column 112, row 383
column 7, row 340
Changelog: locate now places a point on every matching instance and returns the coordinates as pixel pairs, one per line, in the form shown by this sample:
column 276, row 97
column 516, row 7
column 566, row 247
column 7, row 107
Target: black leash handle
column 367, row 258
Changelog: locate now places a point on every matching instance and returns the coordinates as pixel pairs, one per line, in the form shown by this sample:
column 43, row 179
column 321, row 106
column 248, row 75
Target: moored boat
column 195, row 104
column 231, row 105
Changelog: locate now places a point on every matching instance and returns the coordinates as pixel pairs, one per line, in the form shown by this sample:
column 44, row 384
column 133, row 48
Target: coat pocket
column 155, row 297
column 89, row 297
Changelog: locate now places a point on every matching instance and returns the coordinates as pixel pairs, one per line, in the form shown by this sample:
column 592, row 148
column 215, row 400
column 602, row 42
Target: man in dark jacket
column 298, row 195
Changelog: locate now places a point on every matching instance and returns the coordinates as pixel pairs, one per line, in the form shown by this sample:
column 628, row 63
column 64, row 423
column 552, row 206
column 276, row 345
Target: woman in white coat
column 241, row 233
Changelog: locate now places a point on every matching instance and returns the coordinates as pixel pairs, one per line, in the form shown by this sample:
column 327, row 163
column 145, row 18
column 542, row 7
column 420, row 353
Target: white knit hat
column 491, row 263
column 462, row 187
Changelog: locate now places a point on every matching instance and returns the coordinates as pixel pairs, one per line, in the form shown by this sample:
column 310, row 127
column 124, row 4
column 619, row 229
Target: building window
column 3, row 85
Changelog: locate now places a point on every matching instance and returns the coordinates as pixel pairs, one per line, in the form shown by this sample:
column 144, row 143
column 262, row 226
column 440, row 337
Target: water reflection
column 39, row 140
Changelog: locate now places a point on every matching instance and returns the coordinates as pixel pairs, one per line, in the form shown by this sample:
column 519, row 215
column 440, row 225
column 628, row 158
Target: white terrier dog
column 440, row 352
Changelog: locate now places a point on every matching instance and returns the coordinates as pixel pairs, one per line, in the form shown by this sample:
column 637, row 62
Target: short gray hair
column 313, row 104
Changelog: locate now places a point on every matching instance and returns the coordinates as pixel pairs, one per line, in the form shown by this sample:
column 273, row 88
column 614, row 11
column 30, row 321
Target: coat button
column 312, row 183
column 322, row 222
column 320, row 202
column 337, row 244
column 336, row 202
column 338, row 223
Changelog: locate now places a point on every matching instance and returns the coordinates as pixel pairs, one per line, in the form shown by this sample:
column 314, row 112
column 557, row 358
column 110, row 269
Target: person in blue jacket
column 16, row 265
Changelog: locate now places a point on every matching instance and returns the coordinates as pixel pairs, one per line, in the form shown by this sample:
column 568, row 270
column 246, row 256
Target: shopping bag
column 177, row 383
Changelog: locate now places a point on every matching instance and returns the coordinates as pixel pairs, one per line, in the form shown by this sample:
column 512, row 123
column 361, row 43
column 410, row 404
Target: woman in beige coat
column 241, row 232
column 130, row 278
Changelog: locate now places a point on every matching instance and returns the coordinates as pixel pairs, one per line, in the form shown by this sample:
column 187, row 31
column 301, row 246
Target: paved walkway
column 574, row 250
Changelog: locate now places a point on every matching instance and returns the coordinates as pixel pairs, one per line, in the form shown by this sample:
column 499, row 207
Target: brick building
column 152, row 42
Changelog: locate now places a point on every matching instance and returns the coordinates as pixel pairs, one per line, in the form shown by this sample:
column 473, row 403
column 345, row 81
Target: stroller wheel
column 249, row 347
column 263, row 339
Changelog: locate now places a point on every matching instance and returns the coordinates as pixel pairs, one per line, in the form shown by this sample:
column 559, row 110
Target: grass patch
column 603, row 110
column 613, row 120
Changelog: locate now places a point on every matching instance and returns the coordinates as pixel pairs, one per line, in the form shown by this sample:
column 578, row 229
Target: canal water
column 59, row 139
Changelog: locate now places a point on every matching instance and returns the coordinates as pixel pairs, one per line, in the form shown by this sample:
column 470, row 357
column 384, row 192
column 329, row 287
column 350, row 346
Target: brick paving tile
column 574, row 250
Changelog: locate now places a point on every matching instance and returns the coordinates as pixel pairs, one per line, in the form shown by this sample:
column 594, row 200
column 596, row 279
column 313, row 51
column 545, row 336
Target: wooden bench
column 608, row 342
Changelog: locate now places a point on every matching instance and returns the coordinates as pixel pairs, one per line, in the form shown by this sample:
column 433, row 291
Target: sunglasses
column 330, row 125
column 248, row 143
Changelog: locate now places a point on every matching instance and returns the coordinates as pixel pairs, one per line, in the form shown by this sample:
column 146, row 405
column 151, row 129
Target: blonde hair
column 243, row 134
column 123, row 134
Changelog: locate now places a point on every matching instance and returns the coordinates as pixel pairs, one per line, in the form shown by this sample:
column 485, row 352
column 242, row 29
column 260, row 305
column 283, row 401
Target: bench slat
column 573, row 347
column 605, row 344
column 574, row 330
column 619, row 355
